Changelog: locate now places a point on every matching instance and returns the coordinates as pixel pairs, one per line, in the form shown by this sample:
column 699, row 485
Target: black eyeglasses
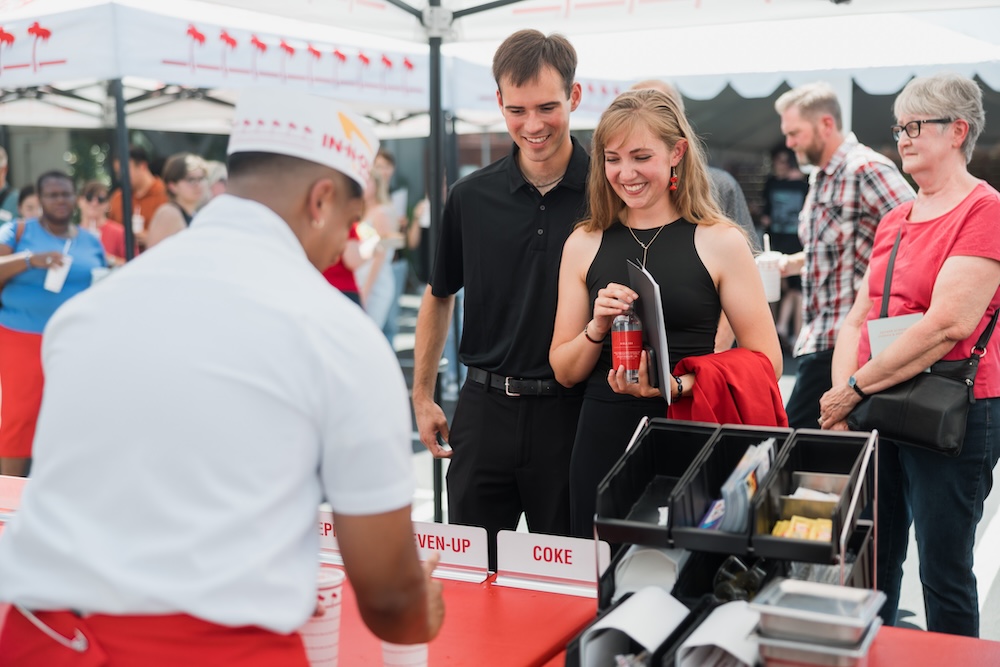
column 913, row 127
column 100, row 199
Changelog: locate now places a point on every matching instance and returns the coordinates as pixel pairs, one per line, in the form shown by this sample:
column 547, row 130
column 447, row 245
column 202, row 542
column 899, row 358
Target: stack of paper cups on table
column 321, row 635
column 770, row 271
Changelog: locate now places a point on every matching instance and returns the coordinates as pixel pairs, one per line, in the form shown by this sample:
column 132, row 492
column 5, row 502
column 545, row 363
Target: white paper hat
column 313, row 128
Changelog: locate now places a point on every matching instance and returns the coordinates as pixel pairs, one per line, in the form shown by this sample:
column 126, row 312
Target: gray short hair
column 812, row 99
column 945, row 95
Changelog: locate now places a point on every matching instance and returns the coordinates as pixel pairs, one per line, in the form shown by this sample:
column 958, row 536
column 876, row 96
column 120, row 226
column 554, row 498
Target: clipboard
column 649, row 308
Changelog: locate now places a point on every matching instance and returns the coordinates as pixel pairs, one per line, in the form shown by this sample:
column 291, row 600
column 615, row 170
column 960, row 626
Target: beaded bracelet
column 586, row 334
column 680, row 386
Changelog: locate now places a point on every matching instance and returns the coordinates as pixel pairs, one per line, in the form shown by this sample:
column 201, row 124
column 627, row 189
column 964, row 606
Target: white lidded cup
column 404, row 655
column 55, row 277
column 769, row 265
column 321, row 635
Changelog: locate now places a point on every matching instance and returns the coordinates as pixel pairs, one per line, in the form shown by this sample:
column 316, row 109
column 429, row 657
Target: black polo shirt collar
column 576, row 171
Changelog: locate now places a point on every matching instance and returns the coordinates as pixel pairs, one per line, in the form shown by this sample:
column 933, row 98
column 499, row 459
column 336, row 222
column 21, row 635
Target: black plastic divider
column 643, row 480
column 703, row 484
column 664, row 654
column 813, row 451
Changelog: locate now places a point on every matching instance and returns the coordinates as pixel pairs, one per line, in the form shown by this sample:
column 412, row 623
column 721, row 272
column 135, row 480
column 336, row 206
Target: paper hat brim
column 309, row 127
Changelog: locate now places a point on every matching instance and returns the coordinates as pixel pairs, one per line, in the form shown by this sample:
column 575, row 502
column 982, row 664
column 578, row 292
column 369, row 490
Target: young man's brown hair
column 522, row 56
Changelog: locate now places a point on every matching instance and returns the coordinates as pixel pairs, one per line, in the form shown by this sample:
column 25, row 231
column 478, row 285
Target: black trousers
column 511, row 455
column 811, row 381
column 603, row 433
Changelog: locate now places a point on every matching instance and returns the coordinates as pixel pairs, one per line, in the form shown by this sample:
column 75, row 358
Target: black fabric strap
column 888, row 275
column 984, row 338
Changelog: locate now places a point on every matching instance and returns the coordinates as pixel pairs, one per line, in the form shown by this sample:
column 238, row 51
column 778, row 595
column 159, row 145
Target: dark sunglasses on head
column 101, row 199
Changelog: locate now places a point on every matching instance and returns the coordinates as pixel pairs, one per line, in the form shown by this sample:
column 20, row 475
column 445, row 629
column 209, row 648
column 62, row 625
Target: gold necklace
column 645, row 246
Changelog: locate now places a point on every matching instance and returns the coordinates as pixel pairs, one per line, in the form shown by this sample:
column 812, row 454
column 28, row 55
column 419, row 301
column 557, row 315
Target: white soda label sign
column 462, row 548
column 550, row 562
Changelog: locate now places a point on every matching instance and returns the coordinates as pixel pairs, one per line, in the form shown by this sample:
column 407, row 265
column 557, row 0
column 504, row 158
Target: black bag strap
column 979, row 349
column 884, row 312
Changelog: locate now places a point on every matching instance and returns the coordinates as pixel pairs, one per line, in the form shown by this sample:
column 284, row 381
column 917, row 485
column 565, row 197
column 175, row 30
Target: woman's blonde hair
column 656, row 112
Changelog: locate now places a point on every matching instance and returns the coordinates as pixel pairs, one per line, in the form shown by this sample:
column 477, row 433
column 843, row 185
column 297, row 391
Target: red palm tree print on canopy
column 197, row 37
column 39, row 33
column 339, row 58
column 365, row 62
column 6, row 39
column 228, row 42
column 287, row 51
column 258, row 46
column 316, row 55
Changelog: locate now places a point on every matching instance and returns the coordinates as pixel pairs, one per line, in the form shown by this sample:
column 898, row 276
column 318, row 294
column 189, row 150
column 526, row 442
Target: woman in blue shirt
column 30, row 251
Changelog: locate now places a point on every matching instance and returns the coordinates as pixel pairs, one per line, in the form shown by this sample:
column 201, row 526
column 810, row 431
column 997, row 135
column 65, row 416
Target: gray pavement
column 987, row 567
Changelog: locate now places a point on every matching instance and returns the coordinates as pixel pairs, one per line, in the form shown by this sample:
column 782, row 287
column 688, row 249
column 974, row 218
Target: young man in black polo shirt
column 501, row 238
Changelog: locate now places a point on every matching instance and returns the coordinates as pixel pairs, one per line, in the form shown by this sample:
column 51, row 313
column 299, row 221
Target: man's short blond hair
column 812, row 100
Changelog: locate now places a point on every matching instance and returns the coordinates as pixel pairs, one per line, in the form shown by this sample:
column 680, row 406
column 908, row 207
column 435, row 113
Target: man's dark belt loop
column 515, row 387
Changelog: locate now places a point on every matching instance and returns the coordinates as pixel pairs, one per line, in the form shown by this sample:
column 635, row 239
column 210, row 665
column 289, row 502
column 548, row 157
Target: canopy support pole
column 121, row 139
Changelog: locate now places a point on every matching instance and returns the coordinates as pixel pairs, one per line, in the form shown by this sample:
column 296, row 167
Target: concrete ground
column 987, row 567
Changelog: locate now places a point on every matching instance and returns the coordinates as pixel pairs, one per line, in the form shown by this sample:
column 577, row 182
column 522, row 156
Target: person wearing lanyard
column 501, row 238
column 172, row 514
column 33, row 257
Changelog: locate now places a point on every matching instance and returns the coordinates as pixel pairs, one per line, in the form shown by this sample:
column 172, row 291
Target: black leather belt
column 515, row 386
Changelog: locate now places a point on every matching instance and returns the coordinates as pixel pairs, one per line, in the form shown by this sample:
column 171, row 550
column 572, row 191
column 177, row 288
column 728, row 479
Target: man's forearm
column 433, row 321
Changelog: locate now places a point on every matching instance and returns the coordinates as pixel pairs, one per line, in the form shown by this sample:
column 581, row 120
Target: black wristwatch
column 852, row 382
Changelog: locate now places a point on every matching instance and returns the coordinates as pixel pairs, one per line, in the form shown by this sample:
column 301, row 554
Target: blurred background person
column 185, row 175
column 341, row 275
column 385, row 166
column 218, row 177
column 380, row 237
column 8, row 195
column 148, row 193
column 784, row 195
column 28, row 251
column 28, row 206
column 947, row 267
column 93, row 203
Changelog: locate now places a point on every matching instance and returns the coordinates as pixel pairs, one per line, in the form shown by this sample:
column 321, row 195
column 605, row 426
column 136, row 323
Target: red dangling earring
column 673, row 179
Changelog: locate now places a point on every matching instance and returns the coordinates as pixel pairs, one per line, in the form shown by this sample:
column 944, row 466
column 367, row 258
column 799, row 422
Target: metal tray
column 814, row 612
column 784, row 651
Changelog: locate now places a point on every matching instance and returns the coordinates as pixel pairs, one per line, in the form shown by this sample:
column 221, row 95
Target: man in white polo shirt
column 198, row 408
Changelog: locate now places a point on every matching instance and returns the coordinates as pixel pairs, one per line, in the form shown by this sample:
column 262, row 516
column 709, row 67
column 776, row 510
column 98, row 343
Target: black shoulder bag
column 928, row 411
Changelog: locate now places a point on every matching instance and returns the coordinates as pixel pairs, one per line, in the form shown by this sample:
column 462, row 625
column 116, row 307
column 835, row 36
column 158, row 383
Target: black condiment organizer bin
column 664, row 654
column 810, row 450
column 702, row 485
column 645, row 478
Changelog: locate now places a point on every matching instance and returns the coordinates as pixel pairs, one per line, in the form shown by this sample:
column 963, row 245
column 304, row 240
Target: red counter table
column 914, row 648
column 484, row 624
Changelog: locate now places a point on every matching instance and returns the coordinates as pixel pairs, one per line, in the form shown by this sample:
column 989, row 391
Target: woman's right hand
column 611, row 302
column 46, row 260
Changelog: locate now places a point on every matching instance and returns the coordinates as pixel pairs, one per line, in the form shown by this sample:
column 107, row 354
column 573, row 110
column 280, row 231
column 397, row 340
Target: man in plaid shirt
column 850, row 189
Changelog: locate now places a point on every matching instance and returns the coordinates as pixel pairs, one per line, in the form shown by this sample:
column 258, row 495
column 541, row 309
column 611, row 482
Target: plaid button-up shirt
column 846, row 200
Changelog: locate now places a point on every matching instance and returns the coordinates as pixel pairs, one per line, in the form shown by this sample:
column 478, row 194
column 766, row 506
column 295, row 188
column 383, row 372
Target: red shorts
column 21, row 387
column 143, row 641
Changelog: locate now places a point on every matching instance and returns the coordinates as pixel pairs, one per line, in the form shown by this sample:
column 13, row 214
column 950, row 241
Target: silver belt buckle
column 506, row 388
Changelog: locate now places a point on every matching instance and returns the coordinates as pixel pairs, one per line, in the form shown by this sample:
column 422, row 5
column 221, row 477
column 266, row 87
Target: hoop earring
column 673, row 179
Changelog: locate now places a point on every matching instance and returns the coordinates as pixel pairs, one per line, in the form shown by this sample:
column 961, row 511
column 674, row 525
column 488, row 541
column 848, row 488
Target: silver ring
column 820, row 420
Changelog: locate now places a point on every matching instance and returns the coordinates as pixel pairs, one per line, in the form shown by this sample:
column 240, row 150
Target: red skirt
column 143, row 641
column 20, row 391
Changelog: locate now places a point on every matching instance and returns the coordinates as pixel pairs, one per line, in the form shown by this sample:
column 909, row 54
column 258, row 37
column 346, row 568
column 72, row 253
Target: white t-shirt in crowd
column 198, row 407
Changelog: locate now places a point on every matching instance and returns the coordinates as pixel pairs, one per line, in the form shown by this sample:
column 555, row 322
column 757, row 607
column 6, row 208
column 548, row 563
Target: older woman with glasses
column 36, row 281
column 185, row 176
column 947, row 269
column 93, row 204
